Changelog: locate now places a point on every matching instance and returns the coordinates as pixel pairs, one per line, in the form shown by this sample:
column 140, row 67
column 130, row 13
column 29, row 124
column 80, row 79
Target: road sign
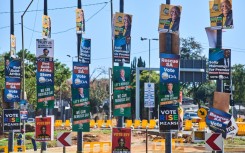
column 149, row 95
column 214, row 141
column 202, row 112
column 64, row 139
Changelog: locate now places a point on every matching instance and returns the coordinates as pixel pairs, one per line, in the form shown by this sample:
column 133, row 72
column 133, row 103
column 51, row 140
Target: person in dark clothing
column 174, row 20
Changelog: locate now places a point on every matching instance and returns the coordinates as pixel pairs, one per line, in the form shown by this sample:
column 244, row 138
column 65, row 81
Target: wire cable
column 34, row 25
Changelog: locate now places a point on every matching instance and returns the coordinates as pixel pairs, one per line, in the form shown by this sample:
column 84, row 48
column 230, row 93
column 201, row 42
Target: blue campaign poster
column 80, row 76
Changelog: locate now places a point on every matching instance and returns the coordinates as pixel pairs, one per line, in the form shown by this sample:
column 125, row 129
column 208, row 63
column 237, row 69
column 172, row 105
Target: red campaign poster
column 44, row 128
column 121, row 140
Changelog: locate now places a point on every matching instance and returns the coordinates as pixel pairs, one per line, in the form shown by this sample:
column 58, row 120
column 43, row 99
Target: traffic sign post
column 63, row 140
column 214, row 142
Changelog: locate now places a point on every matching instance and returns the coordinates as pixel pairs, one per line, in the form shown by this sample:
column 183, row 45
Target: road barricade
column 97, row 147
column 4, row 148
column 188, row 125
column 18, row 148
column 177, row 144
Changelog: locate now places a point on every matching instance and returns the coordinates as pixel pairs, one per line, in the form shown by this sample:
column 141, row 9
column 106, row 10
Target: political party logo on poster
column 232, row 128
column 218, row 120
column 12, row 46
column 219, row 64
column 169, row 93
column 81, row 118
column 11, row 95
column 11, row 120
column 44, row 130
column 45, row 49
column 80, row 96
column 46, row 32
column 169, row 19
column 149, row 95
column 122, row 37
column 121, row 77
column 45, row 79
column 221, row 14
column 80, row 21
column 122, row 103
column 121, row 140
column 45, row 96
column 168, row 118
column 80, row 76
column 85, row 54
column 169, row 67
column 12, row 68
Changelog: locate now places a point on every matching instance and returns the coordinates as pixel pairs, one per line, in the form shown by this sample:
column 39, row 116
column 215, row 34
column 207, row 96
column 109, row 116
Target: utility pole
column 168, row 135
column 120, row 118
column 11, row 105
column 79, row 37
column 44, row 144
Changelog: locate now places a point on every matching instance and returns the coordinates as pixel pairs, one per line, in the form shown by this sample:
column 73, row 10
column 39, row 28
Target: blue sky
column 194, row 19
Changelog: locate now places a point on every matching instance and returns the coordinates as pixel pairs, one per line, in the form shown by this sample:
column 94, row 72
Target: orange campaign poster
column 121, row 140
column 221, row 14
column 44, row 128
column 169, row 19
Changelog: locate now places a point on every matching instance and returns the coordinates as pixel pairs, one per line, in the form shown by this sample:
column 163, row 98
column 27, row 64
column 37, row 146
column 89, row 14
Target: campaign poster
column 219, row 64
column 46, row 21
column 12, row 45
column 122, row 37
column 45, row 96
column 45, row 79
column 169, row 19
column 13, row 83
column 44, row 130
column 218, row 120
column 24, row 115
column 121, row 77
column 81, row 118
column 85, row 54
column 80, row 96
column 12, row 95
column 121, row 140
column 168, row 118
column 221, row 14
column 169, row 92
column 44, row 49
column 11, row 120
column 169, row 68
column 122, row 103
column 12, row 68
column 149, row 95
column 231, row 129
column 80, row 76
column 80, row 21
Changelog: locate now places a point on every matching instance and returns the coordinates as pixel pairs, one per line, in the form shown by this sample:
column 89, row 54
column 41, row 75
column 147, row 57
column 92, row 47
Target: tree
column 238, row 80
column 190, row 48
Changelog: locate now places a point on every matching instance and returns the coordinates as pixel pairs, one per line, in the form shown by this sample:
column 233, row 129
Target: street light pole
column 142, row 39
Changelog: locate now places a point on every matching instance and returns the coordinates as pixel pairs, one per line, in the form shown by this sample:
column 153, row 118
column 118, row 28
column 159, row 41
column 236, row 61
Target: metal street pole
column 23, row 61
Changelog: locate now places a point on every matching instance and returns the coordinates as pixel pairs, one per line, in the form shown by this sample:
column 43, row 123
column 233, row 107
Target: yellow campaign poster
column 12, row 46
column 221, row 14
column 169, row 19
column 80, row 21
column 46, row 21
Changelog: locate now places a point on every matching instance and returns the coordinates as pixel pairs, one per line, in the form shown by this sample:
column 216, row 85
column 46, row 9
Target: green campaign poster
column 121, row 77
column 81, row 118
column 45, row 96
column 121, row 91
column 168, row 92
column 80, row 96
column 122, row 103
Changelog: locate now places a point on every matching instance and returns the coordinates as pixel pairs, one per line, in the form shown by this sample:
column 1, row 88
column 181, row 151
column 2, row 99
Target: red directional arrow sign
column 64, row 139
column 214, row 142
